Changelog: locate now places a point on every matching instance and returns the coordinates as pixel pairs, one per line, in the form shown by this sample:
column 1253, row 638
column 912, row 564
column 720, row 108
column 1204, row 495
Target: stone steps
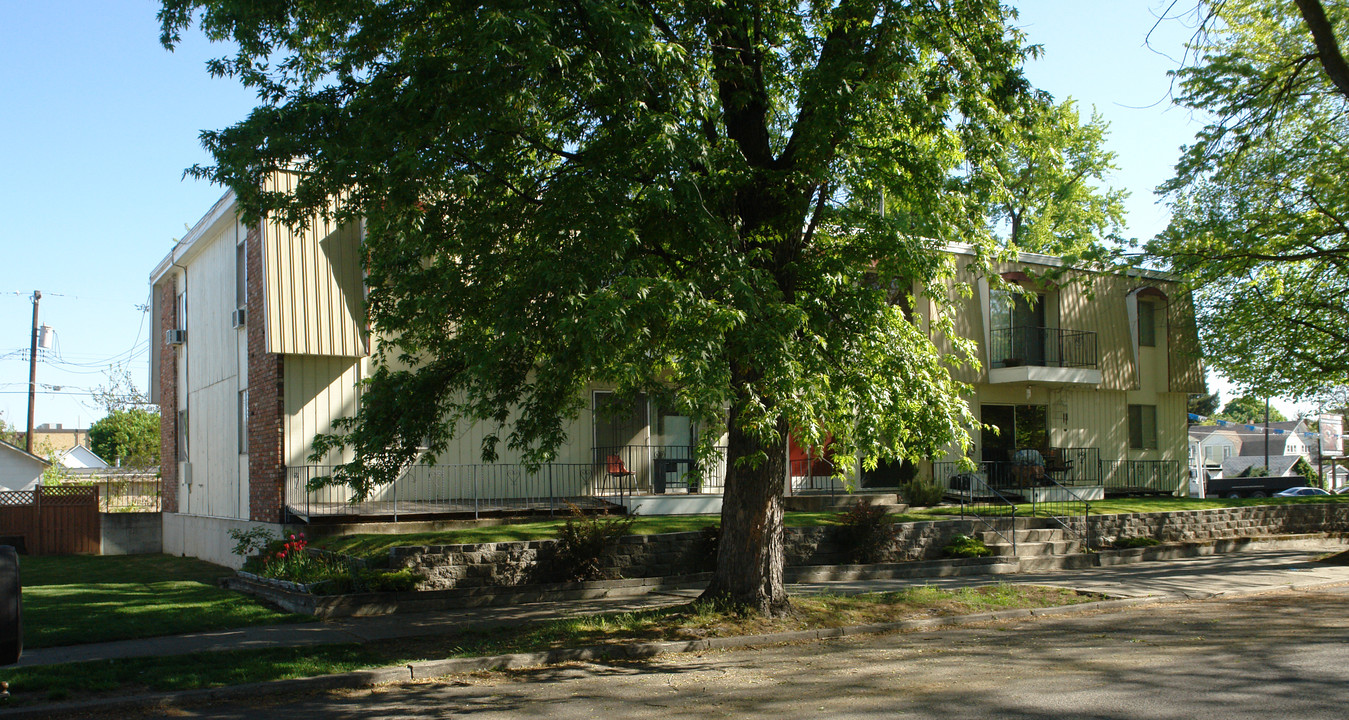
column 1037, row 548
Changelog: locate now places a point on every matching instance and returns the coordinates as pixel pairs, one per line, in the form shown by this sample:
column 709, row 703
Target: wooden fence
column 52, row 520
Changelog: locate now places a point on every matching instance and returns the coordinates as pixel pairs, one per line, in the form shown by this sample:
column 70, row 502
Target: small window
column 1147, row 324
column 181, row 317
column 1143, row 427
column 182, row 436
column 240, row 276
column 243, row 421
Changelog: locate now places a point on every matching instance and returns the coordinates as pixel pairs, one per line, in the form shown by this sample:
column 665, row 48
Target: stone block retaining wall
column 642, row 556
column 1201, row 525
column 645, row 556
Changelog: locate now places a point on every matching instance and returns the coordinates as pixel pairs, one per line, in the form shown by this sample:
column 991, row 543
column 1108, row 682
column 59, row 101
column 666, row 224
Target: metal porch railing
column 468, row 489
column 1042, row 347
column 984, row 504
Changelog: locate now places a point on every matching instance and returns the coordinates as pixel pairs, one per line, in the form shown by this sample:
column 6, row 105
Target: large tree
column 128, row 437
column 714, row 203
column 1260, row 207
column 1051, row 193
column 1250, row 410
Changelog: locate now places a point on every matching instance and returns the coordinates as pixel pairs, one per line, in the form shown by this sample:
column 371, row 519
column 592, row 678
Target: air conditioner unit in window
column 175, row 337
column 239, row 318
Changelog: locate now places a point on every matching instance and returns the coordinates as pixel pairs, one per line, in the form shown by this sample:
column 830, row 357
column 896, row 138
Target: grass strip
column 77, row 599
column 376, row 547
column 1117, row 506
column 77, row 681
column 119, row 678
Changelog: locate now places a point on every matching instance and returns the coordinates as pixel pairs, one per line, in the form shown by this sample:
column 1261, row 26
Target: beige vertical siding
column 1186, row 371
column 1096, row 417
column 213, row 369
column 1096, row 303
column 314, row 287
column 318, row 390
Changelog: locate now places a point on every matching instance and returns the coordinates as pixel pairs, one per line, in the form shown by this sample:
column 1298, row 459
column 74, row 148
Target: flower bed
column 289, row 563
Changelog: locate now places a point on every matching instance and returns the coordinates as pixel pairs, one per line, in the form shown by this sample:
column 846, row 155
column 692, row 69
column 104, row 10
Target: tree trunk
column 750, row 555
column 1327, row 46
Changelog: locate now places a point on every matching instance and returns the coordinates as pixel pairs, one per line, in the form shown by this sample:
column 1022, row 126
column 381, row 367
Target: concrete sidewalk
column 1273, row 566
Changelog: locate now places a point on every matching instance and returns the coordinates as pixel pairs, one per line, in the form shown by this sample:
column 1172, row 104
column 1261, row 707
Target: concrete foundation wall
column 131, row 533
column 207, row 538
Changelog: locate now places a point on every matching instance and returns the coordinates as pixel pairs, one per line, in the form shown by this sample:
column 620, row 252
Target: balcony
column 1048, row 356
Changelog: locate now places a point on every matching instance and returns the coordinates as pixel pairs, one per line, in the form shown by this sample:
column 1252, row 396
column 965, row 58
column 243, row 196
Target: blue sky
column 99, row 121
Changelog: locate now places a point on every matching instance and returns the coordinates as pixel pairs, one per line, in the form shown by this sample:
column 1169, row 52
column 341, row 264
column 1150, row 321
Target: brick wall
column 266, row 464
column 168, row 393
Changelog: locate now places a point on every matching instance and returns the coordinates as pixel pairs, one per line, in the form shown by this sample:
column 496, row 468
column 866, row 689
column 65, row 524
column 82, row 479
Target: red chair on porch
column 617, row 471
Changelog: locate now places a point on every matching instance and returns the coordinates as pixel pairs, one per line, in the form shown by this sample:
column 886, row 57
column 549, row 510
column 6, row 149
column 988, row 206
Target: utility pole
column 32, row 374
column 1267, row 437
column 1321, row 463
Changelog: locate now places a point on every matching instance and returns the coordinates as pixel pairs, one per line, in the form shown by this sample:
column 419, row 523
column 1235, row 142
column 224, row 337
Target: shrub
column 964, row 546
column 582, row 542
column 922, row 493
column 866, row 533
column 363, row 580
column 252, row 541
column 1135, row 542
column 1305, row 469
column 1255, row 471
column 326, row 573
column 290, row 559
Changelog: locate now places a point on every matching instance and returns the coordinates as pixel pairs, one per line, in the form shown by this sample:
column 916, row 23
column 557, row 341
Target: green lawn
column 376, row 547
column 76, row 599
column 1115, row 506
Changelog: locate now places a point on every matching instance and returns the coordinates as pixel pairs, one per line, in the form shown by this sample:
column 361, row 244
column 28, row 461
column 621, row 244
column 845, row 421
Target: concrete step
column 1026, row 535
column 1056, row 544
column 1057, row 562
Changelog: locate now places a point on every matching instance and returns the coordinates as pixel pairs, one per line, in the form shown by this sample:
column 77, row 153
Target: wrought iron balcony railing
column 1043, row 347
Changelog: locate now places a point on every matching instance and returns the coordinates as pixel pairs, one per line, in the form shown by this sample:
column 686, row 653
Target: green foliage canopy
column 129, row 436
column 1204, row 404
column 1260, row 208
column 675, row 198
column 1249, row 409
column 1051, row 194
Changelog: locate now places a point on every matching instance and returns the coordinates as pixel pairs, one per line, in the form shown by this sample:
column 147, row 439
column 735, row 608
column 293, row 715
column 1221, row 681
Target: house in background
column 261, row 344
column 57, row 438
column 80, row 457
column 1285, row 438
column 1279, row 466
column 19, row 469
column 1210, row 445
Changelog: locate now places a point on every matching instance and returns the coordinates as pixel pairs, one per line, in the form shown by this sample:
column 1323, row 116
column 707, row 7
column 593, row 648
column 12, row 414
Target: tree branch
column 1314, row 15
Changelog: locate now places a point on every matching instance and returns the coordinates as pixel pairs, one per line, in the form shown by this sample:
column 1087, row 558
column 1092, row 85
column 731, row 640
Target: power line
column 42, row 392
